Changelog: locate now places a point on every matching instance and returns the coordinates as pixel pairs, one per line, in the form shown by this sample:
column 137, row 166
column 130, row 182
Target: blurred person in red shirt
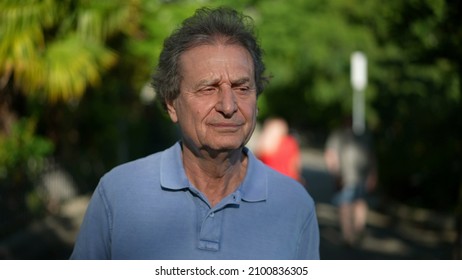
column 278, row 149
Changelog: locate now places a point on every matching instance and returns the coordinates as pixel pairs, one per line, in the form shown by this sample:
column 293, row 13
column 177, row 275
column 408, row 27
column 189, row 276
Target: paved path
column 394, row 231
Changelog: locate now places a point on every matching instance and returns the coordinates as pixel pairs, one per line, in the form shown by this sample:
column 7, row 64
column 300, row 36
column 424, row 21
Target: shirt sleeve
column 94, row 239
column 308, row 245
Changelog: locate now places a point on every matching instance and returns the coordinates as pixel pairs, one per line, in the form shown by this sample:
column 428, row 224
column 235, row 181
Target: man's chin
column 220, row 149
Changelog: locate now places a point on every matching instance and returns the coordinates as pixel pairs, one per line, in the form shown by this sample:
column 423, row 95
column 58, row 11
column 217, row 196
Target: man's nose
column 226, row 103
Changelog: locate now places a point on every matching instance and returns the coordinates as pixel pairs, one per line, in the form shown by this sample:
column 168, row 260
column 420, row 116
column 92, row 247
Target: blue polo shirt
column 148, row 209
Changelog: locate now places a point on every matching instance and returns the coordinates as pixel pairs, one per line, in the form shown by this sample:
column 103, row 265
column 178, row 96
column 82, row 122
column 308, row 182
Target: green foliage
column 56, row 49
column 419, row 103
column 22, row 158
column 308, row 56
column 22, row 151
column 156, row 23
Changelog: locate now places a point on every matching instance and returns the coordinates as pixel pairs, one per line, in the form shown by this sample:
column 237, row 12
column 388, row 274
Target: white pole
column 358, row 81
column 359, row 122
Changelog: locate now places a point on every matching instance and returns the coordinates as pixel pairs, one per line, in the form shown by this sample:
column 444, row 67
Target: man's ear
column 171, row 110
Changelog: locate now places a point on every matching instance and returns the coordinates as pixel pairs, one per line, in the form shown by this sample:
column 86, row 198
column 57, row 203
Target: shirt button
column 212, row 214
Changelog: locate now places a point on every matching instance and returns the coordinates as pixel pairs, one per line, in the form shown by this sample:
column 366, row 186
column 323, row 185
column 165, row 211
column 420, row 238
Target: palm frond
column 98, row 20
column 71, row 64
column 56, row 49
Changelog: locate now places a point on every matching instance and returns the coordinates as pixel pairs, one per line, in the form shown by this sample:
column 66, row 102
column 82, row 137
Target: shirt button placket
column 210, row 232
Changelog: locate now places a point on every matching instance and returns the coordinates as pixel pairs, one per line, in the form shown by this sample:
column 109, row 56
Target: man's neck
column 216, row 175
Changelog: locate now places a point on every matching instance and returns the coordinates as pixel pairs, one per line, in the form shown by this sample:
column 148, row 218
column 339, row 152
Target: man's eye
column 243, row 89
column 208, row 90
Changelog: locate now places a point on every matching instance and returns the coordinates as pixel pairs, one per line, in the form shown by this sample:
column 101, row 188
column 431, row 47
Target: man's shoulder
column 138, row 169
column 285, row 188
column 136, row 166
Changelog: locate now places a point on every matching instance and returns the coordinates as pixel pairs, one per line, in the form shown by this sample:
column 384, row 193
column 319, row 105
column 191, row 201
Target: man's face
column 216, row 108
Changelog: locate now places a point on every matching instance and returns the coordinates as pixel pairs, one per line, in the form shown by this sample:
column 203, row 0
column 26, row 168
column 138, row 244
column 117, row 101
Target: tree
column 55, row 49
column 50, row 53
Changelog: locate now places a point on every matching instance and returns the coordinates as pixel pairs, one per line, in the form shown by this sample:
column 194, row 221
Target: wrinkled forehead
column 233, row 54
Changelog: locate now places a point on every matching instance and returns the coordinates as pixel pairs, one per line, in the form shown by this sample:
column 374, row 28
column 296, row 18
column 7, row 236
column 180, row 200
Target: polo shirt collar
column 254, row 188
column 173, row 175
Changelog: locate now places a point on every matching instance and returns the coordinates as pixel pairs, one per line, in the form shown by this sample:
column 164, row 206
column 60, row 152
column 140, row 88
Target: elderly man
column 207, row 196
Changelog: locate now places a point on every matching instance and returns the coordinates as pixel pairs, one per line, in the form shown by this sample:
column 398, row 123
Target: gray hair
column 206, row 26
